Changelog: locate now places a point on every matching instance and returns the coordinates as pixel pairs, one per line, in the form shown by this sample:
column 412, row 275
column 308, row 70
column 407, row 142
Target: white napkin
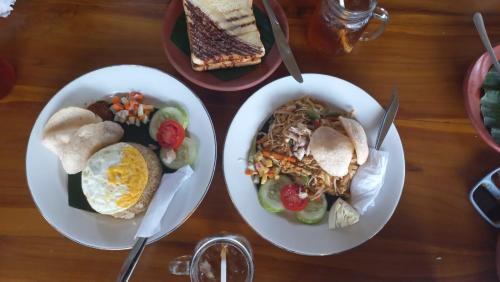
column 5, row 7
column 170, row 184
column 368, row 180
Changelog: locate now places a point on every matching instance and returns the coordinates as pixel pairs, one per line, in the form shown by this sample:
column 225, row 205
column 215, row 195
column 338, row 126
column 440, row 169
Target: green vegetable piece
column 314, row 212
column 176, row 113
column 491, row 122
column 253, row 150
column 490, row 108
column 491, row 98
column 495, row 133
column 492, row 80
column 269, row 194
column 185, row 155
column 490, row 112
column 313, row 115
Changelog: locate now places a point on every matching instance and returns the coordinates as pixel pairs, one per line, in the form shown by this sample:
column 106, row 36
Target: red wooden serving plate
column 182, row 63
column 472, row 92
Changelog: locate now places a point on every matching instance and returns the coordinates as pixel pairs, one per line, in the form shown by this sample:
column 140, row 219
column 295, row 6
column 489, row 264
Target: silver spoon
column 479, row 23
column 388, row 119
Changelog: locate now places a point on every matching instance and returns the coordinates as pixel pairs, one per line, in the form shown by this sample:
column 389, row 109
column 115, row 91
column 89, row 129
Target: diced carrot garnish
column 248, row 171
column 116, row 100
column 138, row 97
column 117, row 107
column 280, row 157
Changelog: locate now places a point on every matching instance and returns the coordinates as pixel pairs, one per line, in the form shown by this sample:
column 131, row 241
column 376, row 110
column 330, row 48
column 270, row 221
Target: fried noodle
column 278, row 146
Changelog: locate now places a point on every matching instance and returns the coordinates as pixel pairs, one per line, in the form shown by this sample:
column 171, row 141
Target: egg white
column 101, row 195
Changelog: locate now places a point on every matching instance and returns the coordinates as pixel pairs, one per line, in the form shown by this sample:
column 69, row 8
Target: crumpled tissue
column 6, row 7
column 368, row 180
column 170, row 184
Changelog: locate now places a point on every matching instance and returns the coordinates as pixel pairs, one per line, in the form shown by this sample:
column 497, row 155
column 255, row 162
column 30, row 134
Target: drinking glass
column 337, row 25
column 204, row 264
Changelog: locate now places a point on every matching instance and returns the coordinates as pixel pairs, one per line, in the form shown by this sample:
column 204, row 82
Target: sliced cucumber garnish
column 314, row 212
column 177, row 114
column 185, row 155
column 269, row 194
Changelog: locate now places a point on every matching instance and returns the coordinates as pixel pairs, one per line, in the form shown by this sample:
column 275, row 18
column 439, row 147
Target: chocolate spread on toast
column 209, row 41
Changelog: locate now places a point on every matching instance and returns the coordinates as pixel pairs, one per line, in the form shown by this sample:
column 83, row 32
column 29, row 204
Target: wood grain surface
column 434, row 235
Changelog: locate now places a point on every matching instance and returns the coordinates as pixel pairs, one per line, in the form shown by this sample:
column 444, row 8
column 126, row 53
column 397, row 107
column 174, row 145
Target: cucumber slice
column 167, row 113
column 314, row 212
column 269, row 194
column 185, row 155
column 183, row 111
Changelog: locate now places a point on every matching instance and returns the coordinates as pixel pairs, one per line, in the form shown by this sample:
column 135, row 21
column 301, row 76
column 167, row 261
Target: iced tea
column 337, row 25
column 210, row 262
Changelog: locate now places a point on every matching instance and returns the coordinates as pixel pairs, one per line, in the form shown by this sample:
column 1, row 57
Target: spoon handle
column 479, row 23
column 132, row 259
column 388, row 119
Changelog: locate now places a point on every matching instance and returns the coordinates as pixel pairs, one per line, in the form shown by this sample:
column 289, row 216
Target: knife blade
column 283, row 47
column 388, row 118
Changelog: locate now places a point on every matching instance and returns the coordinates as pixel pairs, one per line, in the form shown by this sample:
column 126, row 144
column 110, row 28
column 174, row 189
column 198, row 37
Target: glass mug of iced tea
column 337, row 25
column 207, row 265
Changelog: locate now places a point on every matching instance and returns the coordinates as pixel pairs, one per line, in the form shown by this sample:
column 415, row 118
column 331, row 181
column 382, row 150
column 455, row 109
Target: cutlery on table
column 283, row 47
column 150, row 224
column 132, row 259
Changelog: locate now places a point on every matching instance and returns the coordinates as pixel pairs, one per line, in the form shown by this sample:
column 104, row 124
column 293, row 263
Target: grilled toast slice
column 222, row 34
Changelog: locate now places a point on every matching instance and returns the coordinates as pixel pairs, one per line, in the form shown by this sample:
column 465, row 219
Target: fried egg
column 114, row 178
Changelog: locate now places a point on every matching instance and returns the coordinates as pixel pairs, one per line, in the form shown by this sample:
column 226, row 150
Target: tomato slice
column 290, row 197
column 170, row 134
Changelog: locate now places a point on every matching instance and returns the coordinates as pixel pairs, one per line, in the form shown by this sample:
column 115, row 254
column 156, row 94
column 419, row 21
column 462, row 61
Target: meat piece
column 299, row 153
column 101, row 108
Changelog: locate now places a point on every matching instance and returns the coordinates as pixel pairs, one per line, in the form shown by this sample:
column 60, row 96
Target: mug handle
column 382, row 15
column 180, row 265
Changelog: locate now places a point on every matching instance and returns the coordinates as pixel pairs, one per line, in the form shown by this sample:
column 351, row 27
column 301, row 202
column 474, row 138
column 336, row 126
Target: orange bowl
column 472, row 92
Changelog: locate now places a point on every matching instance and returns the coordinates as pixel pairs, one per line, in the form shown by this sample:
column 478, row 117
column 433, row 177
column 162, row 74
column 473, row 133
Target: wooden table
column 434, row 233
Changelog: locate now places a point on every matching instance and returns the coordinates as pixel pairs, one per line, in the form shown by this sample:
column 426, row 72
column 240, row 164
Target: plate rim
column 214, row 165
column 166, row 43
column 284, row 247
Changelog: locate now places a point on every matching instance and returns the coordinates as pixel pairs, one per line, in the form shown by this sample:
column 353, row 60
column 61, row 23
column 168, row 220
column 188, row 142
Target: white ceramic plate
column 288, row 233
column 48, row 181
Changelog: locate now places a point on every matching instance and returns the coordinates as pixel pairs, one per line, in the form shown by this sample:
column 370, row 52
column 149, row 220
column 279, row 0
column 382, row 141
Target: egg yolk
column 131, row 172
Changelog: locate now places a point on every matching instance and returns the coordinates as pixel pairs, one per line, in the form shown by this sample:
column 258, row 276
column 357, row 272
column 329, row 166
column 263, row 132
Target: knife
column 388, row 118
column 283, row 47
column 150, row 224
column 132, row 260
